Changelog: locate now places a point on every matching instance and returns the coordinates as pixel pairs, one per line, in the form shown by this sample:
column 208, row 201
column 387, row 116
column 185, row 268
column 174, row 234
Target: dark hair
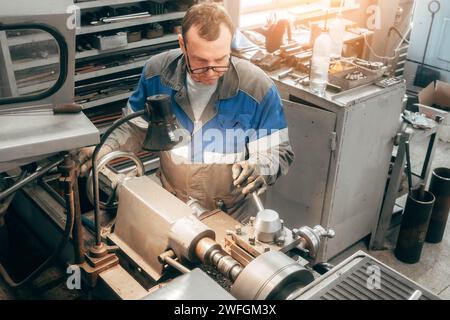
column 207, row 17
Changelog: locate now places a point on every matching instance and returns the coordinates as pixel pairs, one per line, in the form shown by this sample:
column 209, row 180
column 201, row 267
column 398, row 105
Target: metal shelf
column 104, row 72
column 101, row 3
column 30, row 38
column 108, row 99
column 36, row 87
column 126, row 24
column 33, row 63
column 133, row 45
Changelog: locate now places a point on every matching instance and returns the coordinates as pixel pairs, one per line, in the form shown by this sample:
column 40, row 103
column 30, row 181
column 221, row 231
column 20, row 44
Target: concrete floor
column 433, row 270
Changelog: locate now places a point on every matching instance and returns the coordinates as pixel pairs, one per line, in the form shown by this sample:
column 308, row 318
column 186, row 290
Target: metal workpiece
column 211, row 253
column 185, row 234
column 204, row 249
column 313, row 237
column 226, row 264
column 271, row 276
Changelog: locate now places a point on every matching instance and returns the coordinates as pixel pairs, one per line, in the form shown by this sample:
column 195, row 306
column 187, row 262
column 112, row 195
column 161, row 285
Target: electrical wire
column 385, row 57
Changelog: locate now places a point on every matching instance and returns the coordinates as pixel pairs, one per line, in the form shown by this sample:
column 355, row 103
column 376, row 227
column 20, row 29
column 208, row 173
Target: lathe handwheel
column 136, row 172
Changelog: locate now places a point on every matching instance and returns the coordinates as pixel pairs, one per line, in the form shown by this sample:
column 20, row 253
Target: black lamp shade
column 164, row 131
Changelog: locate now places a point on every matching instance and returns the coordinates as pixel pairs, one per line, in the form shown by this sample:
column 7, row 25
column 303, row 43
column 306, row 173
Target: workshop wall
column 438, row 54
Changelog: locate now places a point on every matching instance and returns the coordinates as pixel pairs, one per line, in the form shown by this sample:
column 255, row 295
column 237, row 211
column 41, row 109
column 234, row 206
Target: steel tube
column 440, row 187
column 416, row 218
column 173, row 263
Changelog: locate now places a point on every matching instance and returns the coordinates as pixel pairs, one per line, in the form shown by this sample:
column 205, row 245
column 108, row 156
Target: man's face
column 203, row 53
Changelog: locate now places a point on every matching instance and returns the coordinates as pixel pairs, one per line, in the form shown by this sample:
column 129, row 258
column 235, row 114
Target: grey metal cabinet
column 343, row 145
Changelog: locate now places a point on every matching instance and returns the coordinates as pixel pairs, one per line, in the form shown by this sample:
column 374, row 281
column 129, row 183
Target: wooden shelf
column 133, row 45
column 104, row 72
column 130, row 23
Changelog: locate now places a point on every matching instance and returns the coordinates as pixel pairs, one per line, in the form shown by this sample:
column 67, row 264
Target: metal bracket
column 93, row 266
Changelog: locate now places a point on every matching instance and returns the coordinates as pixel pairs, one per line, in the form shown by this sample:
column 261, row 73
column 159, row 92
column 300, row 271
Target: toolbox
column 134, row 36
column 110, row 42
column 155, row 31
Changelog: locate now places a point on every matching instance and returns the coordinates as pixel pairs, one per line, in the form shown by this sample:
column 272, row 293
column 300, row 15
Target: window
column 248, row 6
column 33, row 62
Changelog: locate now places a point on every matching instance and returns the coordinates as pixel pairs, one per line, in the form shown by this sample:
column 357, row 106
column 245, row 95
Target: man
column 231, row 108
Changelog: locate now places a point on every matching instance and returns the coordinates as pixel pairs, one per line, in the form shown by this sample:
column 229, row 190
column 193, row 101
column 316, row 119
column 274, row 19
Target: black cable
column 46, row 263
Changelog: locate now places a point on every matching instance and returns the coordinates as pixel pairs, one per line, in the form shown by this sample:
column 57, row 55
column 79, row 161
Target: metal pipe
column 415, row 220
column 173, row 263
column 31, row 177
column 440, row 187
column 169, row 258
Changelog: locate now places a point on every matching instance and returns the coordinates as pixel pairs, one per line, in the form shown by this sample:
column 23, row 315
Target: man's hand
column 85, row 158
column 246, row 175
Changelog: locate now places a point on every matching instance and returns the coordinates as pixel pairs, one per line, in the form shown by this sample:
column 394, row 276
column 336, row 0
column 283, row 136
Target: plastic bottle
column 320, row 63
column 337, row 30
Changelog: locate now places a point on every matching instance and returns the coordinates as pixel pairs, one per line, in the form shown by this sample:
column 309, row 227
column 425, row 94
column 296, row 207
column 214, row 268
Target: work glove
column 85, row 158
column 246, row 175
